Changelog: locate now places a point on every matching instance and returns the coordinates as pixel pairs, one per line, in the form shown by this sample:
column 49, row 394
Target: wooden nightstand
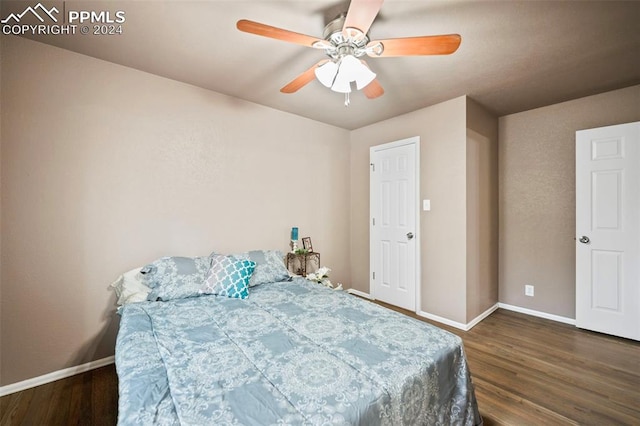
column 303, row 264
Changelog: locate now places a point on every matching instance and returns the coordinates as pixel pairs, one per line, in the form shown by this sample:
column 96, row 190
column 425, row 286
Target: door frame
column 415, row 141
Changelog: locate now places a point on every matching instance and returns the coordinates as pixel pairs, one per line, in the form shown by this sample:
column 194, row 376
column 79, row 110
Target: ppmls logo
column 33, row 11
column 50, row 21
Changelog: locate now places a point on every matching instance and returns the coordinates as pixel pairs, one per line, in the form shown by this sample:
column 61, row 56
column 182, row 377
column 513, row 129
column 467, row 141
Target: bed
column 292, row 353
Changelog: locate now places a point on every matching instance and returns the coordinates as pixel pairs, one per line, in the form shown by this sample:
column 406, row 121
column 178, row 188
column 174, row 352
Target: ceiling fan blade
column 303, row 79
column 373, row 89
column 361, row 14
column 413, row 46
column 276, row 33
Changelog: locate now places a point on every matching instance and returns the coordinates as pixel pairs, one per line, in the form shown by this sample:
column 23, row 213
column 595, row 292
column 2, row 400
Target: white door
column 394, row 219
column 608, row 230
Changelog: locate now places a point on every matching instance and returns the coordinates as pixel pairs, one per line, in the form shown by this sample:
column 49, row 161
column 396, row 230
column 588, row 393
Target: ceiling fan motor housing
column 351, row 41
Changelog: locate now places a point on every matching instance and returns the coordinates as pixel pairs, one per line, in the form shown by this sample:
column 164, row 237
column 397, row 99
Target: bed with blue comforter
column 292, row 353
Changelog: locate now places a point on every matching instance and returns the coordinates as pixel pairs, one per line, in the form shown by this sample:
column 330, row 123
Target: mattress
column 293, row 353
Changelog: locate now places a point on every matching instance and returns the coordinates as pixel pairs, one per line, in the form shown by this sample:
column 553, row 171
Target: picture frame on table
column 306, row 244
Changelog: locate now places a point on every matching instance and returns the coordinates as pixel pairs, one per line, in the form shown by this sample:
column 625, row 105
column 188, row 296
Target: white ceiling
column 514, row 56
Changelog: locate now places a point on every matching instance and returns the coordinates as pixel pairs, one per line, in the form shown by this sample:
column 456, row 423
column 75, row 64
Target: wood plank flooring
column 526, row 371
column 89, row 398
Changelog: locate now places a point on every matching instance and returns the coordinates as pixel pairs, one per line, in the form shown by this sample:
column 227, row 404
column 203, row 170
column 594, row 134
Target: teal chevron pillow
column 269, row 266
column 229, row 277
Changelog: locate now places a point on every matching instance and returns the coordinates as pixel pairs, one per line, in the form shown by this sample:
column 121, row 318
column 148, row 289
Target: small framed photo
column 306, row 243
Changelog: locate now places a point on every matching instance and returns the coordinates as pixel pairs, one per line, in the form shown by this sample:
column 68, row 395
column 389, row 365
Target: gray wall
column 537, row 196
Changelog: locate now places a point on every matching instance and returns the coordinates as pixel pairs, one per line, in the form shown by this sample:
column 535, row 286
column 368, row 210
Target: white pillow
column 129, row 287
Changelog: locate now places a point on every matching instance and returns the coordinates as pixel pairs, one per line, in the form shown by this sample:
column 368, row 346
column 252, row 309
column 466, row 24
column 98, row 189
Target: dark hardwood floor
column 89, row 398
column 526, row 371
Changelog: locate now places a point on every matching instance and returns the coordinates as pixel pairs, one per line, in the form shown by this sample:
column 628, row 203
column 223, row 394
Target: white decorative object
column 321, row 276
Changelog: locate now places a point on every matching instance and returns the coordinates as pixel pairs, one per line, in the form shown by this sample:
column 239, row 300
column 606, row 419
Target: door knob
column 584, row 239
column 409, row 235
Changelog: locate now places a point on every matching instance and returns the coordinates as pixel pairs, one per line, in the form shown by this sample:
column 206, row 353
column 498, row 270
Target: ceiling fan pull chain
column 347, row 101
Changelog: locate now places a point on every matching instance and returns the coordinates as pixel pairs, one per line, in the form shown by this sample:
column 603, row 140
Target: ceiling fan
column 345, row 41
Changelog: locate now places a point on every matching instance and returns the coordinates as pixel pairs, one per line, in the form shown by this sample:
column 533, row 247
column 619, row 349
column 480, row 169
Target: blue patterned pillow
column 175, row 277
column 229, row 277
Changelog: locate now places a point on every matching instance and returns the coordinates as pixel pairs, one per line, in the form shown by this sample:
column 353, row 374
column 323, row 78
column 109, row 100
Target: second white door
column 394, row 233
column 608, row 230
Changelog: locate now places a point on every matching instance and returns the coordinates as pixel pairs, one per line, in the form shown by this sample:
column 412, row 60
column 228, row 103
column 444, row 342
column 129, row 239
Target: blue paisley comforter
column 293, row 353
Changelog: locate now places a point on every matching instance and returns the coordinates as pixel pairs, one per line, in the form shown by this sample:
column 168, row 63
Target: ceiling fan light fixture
column 326, row 73
column 352, row 69
column 364, row 77
column 342, row 82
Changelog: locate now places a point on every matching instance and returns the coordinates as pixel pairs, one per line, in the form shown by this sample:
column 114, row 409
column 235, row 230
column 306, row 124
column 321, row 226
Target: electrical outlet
column 528, row 290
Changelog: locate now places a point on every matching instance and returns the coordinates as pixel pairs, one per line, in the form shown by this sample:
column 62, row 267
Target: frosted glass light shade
column 326, row 73
column 338, row 76
column 364, row 76
column 356, row 71
column 342, row 82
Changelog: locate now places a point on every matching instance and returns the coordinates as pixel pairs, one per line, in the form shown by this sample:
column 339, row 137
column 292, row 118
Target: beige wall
column 105, row 168
column 537, row 196
column 442, row 131
column 482, row 210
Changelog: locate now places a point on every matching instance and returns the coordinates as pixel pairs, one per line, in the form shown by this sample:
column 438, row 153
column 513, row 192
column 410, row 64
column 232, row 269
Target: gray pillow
column 175, row 277
column 269, row 266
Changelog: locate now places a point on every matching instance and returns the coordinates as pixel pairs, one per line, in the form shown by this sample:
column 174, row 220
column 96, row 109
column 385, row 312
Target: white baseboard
column 442, row 320
column 359, row 293
column 459, row 325
column 465, row 327
column 55, row 375
column 482, row 316
column 539, row 314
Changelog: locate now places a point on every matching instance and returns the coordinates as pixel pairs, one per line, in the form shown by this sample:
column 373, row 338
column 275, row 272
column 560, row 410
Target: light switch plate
column 426, row 205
